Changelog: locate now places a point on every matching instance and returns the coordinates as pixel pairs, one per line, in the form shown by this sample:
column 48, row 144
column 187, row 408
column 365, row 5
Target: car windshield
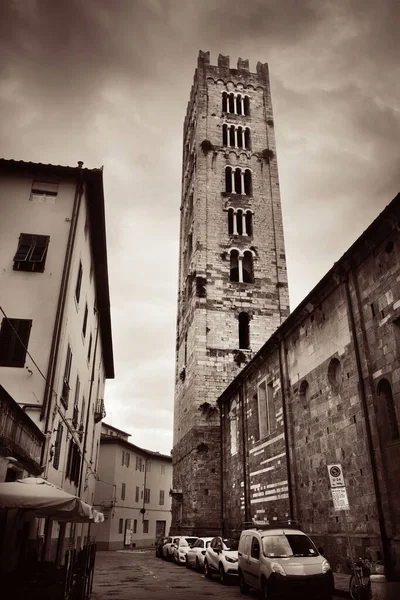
column 189, row 541
column 230, row 544
column 282, row 546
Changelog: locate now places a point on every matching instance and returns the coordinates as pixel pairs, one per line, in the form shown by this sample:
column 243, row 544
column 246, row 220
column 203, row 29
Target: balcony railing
column 99, row 411
column 19, row 434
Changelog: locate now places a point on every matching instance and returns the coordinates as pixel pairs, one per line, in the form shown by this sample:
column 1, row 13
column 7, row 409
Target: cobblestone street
column 139, row 575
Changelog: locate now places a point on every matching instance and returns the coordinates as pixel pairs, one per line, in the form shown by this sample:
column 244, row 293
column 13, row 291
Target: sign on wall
column 128, row 532
column 336, row 475
column 338, row 488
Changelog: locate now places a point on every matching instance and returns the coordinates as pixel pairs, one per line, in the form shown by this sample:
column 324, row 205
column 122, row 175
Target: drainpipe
column 245, row 484
column 221, row 424
column 363, row 395
column 55, row 343
column 283, row 377
column 89, row 406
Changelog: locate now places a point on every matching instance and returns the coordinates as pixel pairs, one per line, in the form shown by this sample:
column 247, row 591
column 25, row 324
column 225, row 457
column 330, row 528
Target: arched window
column 231, row 103
column 387, row 407
column 244, row 331
column 231, row 217
column 224, row 134
column 228, row 179
column 239, row 221
column 247, row 141
column 304, row 393
column 232, row 136
column 234, row 265
column 249, row 223
column 247, row 183
column 248, row 267
column 224, row 102
column 238, row 181
column 246, row 106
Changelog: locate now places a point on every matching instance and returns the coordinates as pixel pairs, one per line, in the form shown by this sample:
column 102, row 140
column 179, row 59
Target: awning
column 46, row 500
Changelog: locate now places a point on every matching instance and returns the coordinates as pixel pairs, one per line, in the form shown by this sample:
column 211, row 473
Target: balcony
column 99, row 411
column 19, row 436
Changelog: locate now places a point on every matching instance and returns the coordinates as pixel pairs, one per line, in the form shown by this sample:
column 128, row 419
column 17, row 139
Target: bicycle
column 360, row 584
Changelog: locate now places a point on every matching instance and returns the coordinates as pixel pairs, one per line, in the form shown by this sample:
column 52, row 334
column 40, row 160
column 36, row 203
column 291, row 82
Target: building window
column 148, row 466
column 123, row 491
column 67, row 373
column 241, row 266
column 388, row 410
column 161, row 497
column 145, row 526
column 244, row 331
column 78, row 283
column 73, row 463
column 304, row 393
column 120, row 526
column 134, row 525
column 85, row 318
column 236, row 136
column 147, row 495
column 162, row 469
column 75, row 417
column 90, row 347
column 240, row 222
column 236, row 104
column 44, row 192
column 238, row 181
column 139, row 463
column 233, row 418
column 14, row 338
column 126, row 458
column 266, row 409
column 137, row 494
column 57, row 446
column 31, row 252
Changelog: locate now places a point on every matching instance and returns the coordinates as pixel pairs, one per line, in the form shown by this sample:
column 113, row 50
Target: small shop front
column 28, row 568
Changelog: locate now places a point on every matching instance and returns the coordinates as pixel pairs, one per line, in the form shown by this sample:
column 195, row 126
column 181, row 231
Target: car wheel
column 244, row 588
column 222, row 575
column 198, row 568
column 187, row 563
column 207, row 571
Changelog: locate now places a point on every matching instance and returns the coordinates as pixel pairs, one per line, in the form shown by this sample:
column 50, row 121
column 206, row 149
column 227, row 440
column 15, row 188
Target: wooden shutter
column 12, row 350
column 39, row 249
column 25, row 245
column 57, row 449
column 85, row 318
column 78, row 283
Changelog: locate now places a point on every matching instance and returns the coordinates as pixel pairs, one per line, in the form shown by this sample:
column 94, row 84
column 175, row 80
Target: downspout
column 245, row 486
column 221, row 429
column 283, row 376
column 363, row 395
column 89, row 406
column 55, row 343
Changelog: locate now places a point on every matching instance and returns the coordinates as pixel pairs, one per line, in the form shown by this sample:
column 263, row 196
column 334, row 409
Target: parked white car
column 196, row 554
column 167, row 549
column 181, row 547
column 221, row 558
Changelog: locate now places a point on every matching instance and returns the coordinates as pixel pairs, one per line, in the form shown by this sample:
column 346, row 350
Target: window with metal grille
column 57, row 446
column 14, row 338
column 67, row 373
column 78, row 283
column 31, row 252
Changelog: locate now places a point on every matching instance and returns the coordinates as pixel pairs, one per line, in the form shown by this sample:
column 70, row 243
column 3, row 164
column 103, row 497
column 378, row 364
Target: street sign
column 340, row 500
column 336, row 475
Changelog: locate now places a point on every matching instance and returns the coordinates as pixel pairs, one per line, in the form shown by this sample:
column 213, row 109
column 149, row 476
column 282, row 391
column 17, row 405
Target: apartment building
column 55, row 328
column 132, row 491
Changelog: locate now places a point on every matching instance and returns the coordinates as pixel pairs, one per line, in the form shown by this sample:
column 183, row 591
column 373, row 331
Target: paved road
column 138, row 575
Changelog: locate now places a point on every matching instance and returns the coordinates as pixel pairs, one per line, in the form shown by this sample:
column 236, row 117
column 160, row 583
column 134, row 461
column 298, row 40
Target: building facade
column 325, row 389
column 232, row 270
column 55, row 328
column 132, row 491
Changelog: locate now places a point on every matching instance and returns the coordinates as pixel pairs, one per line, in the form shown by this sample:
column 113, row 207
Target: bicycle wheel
column 359, row 589
column 354, row 586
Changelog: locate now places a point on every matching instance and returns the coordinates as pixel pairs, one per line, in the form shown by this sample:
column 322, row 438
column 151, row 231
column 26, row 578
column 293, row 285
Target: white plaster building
column 55, row 328
column 132, row 491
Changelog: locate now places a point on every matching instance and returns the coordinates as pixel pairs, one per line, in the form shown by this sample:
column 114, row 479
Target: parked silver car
column 196, row 554
column 181, row 547
column 221, row 558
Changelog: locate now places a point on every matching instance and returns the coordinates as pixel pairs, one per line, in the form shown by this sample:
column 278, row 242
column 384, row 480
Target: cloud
column 108, row 83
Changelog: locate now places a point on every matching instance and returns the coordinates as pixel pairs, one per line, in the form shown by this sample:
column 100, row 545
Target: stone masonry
column 332, row 375
column 210, row 299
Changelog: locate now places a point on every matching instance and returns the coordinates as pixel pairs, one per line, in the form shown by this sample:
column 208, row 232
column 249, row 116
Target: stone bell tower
column 232, row 271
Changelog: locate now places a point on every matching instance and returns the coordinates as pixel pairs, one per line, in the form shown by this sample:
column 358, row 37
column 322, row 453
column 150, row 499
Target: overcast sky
column 107, row 82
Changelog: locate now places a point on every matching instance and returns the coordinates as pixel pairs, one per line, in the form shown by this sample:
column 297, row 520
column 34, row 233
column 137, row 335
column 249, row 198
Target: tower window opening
column 247, row 182
column 239, row 105
column 232, row 136
column 244, row 331
column 246, row 106
column 231, row 103
column 249, row 223
column 231, row 217
column 240, row 140
column 228, row 179
column 225, row 134
column 239, row 221
column 224, row 102
column 248, row 276
column 238, row 181
column 247, row 141
column 236, row 104
column 234, row 265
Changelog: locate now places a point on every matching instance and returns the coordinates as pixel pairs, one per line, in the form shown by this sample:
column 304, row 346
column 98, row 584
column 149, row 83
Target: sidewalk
column 342, row 581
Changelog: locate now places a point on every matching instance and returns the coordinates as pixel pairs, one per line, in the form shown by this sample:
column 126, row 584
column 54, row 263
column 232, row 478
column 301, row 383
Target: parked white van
column 283, row 561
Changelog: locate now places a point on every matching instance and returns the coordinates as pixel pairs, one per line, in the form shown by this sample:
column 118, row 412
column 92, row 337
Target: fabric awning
column 46, row 500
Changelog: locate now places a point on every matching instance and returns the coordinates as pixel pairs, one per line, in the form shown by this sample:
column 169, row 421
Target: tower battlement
column 242, row 67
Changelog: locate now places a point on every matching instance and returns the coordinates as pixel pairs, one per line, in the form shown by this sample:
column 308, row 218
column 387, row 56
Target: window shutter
column 25, row 245
column 85, row 318
column 39, row 249
column 23, row 329
column 78, row 283
column 57, row 449
column 6, row 343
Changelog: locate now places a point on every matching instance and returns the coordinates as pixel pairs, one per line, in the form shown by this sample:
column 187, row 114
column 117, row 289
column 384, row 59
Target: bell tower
column 233, row 289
